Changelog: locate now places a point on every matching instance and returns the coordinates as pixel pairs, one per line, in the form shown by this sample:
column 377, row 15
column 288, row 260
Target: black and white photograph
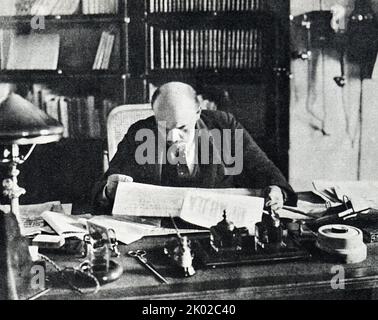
column 207, row 151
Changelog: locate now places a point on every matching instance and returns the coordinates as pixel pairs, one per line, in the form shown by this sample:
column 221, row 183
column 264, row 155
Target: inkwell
column 269, row 232
column 225, row 236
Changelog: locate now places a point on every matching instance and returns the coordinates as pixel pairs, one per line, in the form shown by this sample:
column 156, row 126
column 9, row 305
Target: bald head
column 176, row 104
column 175, row 101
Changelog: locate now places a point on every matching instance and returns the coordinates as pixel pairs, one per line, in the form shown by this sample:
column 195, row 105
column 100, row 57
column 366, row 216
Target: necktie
column 181, row 166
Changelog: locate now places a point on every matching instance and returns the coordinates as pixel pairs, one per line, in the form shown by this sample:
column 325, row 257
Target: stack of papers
column 31, row 215
column 66, row 226
column 363, row 194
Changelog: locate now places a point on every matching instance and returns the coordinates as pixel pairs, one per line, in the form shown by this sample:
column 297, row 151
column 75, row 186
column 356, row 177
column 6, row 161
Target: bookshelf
column 54, row 67
column 239, row 47
column 65, row 53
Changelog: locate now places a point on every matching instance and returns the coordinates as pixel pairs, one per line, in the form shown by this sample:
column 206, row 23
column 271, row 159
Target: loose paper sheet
column 139, row 199
column 203, row 207
column 128, row 232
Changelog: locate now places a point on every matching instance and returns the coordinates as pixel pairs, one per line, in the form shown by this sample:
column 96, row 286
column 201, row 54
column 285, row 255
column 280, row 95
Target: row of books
column 81, row 117
column 57, row 7
column 100, row 6
column 104, row 51
column 206, row 49
column 38, row 7
column 204, row 5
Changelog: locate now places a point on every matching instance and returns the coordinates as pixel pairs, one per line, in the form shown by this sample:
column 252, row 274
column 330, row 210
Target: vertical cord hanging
column 324, row 117
column 359, row 159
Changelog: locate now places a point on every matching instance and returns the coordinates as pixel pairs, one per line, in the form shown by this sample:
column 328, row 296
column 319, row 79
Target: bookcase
column 70, row 58
column 237, row 48
column 74, row 66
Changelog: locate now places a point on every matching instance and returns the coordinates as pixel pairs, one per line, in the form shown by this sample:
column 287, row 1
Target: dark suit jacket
column 258, row 171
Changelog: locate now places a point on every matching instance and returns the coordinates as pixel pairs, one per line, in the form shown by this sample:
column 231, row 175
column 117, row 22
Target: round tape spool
column 344, row 241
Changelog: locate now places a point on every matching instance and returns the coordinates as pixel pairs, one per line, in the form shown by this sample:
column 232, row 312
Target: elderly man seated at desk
column 184, row 146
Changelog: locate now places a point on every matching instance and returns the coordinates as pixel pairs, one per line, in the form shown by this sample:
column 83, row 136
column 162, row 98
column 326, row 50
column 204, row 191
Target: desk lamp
column 22, row 123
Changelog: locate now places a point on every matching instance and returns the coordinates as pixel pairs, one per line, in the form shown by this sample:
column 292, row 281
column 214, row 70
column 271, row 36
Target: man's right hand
column 112, row 183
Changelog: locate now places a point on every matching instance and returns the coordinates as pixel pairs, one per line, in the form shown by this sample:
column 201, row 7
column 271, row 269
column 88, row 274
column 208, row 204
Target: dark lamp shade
column 23, row 123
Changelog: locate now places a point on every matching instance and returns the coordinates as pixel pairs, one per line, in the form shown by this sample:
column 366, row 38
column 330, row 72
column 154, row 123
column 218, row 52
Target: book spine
column 237, row 63
column 151, row 8
column 233, row 49
column 256, row 48
column 206, row 48
column 108, row 52
column 177, row 49
column 96, row 124
column 172, row 49
column 100, row 51
column 242, row 49
column 72, row 118
column 96, row 6
column 80, row 113
column 182, row 49
column 252, row 48
column 92, row 6
column 90, row 116
column 152, row 46
column 63, row 115
column 162, row 49
column 193, row 48
column 115, row 6
column 85, row 6
column 101, row 6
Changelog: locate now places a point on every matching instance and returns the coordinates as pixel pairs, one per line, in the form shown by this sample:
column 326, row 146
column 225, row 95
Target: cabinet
column 237, row 49
column 70, row 89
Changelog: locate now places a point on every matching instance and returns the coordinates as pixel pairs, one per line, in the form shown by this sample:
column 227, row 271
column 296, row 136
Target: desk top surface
column 279, row 280
column 299, row 279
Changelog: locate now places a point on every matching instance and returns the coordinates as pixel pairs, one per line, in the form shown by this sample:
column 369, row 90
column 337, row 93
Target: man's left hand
column 274, row 198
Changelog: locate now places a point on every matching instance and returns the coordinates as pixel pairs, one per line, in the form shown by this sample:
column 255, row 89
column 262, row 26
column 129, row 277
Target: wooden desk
column 288, row 280
column 308, row 280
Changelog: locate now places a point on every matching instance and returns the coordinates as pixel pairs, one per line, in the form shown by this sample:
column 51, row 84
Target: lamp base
column 15, row 260
column 10, row 185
